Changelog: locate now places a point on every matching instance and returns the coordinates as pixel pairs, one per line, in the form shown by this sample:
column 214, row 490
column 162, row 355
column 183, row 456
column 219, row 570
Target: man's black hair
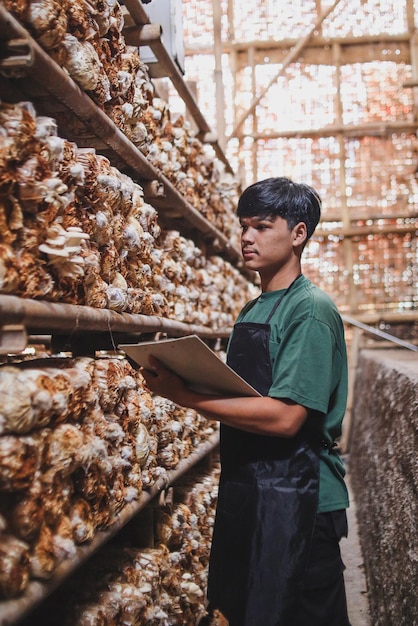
column 281, row 197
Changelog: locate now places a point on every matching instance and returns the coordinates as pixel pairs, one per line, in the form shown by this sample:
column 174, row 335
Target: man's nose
column 247, row 236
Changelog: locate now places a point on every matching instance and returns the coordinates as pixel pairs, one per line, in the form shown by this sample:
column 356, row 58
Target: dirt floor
column 355, row 581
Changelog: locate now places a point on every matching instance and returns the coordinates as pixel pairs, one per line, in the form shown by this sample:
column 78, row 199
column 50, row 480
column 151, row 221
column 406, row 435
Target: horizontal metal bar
column 379, row 333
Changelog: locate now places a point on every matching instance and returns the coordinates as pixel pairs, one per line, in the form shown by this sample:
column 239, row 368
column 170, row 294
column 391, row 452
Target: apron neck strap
column 276, row 304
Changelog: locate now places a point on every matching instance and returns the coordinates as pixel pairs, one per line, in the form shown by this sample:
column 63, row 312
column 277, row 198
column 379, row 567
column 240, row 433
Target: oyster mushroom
column 63, row 248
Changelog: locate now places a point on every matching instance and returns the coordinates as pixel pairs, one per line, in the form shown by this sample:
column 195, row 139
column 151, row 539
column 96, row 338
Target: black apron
column 267, row 503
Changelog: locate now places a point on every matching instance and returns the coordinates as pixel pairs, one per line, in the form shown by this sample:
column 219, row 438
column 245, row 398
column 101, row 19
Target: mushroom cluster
column 63, row 248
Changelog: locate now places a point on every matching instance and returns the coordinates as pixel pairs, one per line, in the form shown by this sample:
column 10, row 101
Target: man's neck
column 280, row 280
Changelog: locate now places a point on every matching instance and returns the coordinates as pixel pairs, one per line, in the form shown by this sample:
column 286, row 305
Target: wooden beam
column 345, row 214
column 219, row 86
column 363, row 231
column 56, row 316
column 414, row 64
column 251, row 62
column 352, row 368
column 383, row 41
column 318, row 51
column 373, row 129
column 142, row 35
column 137, row 11
column 395, row 317
column 410, row 15
column 357, row 214
column 322, row 55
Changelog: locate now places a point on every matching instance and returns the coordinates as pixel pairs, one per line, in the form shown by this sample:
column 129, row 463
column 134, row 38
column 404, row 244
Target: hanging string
column 111, row 336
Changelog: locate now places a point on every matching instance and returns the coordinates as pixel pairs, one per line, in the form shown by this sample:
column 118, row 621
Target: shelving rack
column 139, row 31
column 33, row 75
column 28, row 73
column 13, row 610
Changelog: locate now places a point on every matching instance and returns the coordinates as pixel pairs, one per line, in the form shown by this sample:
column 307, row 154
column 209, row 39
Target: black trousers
column 323, row 598
column 323, row 601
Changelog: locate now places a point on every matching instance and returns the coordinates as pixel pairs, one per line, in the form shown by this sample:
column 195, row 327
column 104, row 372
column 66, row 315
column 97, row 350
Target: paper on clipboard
column 191, row 359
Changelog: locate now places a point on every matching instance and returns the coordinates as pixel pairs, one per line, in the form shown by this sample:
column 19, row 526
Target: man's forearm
column 258, row 415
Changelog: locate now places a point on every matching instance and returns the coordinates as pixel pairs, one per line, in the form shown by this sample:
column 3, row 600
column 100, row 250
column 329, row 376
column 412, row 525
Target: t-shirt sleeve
column 306, row 364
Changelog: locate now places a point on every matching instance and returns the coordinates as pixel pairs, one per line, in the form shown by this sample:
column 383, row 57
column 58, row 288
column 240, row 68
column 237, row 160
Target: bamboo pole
column 318, row 5
column 142, row 35
column 357, row 214
column 364, row 41
column 219, row 87
column 414, row 61
column 347, row 241
column 410, row 15
column 137, row 11
column 352, row 368
column 363, row 231
column 375, row 129
column 49, row 316
column 254, row 147
column 405, row 317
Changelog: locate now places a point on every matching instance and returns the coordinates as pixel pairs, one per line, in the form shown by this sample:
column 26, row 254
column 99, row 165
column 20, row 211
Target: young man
column 275, row 558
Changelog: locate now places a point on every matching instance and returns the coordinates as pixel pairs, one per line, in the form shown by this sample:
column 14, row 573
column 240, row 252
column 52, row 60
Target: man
column 275, row 558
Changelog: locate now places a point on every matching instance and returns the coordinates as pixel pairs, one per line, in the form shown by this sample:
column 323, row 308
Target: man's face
column 266, row 243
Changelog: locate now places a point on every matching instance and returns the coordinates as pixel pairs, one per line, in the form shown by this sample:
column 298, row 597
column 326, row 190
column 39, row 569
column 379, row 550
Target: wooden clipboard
column 191, row 359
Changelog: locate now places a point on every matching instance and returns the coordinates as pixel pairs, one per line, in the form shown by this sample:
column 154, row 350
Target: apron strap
column 272, row 312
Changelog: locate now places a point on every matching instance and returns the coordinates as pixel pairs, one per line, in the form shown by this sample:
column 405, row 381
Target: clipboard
column 191, row 359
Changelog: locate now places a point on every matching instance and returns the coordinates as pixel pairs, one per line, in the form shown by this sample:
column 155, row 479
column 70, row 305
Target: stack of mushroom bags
column 75, row 229
column 80, row 438
column 86, row 40
column 163, row 584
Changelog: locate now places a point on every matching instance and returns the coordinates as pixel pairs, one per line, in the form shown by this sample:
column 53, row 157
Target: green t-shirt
column 309, row 366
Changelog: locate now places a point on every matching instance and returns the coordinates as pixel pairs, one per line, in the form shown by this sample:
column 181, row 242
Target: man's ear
column 300, row 234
